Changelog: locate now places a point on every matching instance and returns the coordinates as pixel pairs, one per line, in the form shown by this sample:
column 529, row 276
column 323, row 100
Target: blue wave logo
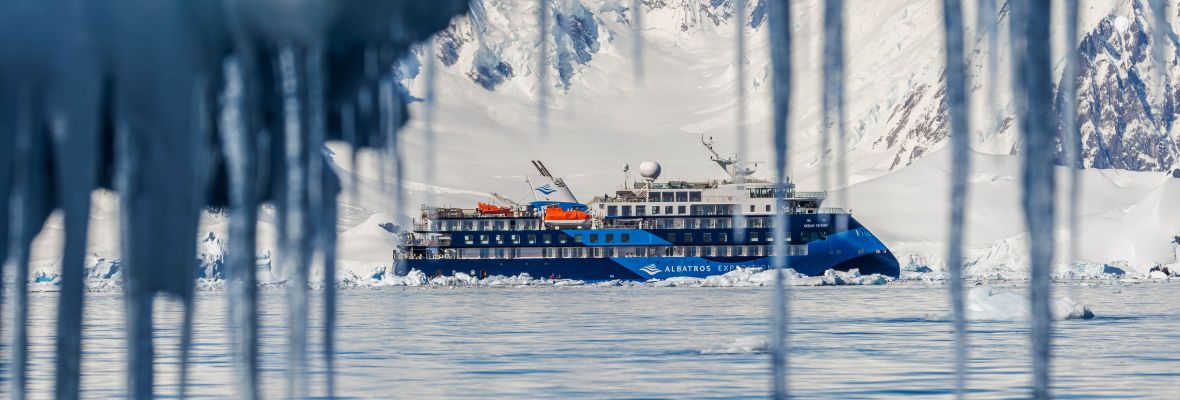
column 651, row 269
column 546, row 189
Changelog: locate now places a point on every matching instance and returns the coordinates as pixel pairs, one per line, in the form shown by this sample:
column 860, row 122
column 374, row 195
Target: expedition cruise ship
column 648, row 230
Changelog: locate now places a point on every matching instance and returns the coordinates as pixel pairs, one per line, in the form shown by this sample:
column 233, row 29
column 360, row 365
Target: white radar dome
column 649, row 169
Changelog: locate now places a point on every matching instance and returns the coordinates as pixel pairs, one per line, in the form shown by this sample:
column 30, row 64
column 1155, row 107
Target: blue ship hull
column 851, row 249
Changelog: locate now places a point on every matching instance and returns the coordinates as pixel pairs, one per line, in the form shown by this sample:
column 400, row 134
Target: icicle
column 241, row 261
column 1159, row 46
column 986, row 21
column 1072, row 137
column 833, row 103
column 327, row 244
column 428, row 117
column 780, row 54
column 957, row 98
column 24, row 190
column 294, row 216
column 543, row 68
column 348, row 131
column 637, row 48
column 739, row 12
column 391, row 123
column 1033, row 91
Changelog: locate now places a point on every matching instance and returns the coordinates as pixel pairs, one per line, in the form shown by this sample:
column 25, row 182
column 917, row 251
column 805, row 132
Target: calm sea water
column 645, row 342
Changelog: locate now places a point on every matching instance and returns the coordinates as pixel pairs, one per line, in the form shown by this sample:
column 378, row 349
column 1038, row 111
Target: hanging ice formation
column 957, row 96
column 739, row 12
column 833, row 105
column 1032, row 92
column 1071, row 137
column 780, row 56
column 543, row 11
column 199, row 95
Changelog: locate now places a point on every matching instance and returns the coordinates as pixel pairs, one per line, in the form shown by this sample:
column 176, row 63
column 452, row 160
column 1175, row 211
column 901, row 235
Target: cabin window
column 562, row 239
column 640, row 211
column 681, row 196
column 754, row 236
column 723, row 251
column 515, row 239
column 707, row 237
column 577, row 238
column 546, row 238
column 610, row 237
column 688, row 238
column 672, row 237
column 667, row 197
column 612, row 211
column 596, row 252
column 532, row 239
column 499, row 225
column 723, row 237
column 626, row 211
column 593, row 238
column 654, row 196
column 694, row 196
column 706, row 251
column 723, row 223
column 681, row 209
column 467, row 239
column 767, row 208
column 625, row 237
column 499, row 239
column 483, row 239
column 690, row 251
column 655, row 210
column 667, row 209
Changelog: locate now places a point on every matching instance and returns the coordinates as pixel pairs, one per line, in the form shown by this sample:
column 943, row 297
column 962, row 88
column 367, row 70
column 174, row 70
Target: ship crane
column 732, row 165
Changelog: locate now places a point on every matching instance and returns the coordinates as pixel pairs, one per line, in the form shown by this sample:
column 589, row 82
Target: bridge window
column 655, row 210
column 626, row 211
column 640, row 211
column 694, row 196
column 654, row 196
column 612, row 211
column 681, row 196
column 667, row 209
column 681, row 209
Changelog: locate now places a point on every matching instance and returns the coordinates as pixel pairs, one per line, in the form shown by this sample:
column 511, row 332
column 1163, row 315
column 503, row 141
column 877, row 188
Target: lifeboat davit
column 489, row 209
column 557, row 216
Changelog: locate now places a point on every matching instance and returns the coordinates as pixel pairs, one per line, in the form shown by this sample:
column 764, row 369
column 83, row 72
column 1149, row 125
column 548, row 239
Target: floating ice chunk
column 741, row 345
column 985, row 303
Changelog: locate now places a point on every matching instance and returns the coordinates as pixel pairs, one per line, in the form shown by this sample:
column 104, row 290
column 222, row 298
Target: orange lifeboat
column 489, row 209
column 557, row 216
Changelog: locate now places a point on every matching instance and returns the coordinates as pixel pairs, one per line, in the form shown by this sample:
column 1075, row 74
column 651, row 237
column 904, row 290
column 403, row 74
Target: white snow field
column 607, row 117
